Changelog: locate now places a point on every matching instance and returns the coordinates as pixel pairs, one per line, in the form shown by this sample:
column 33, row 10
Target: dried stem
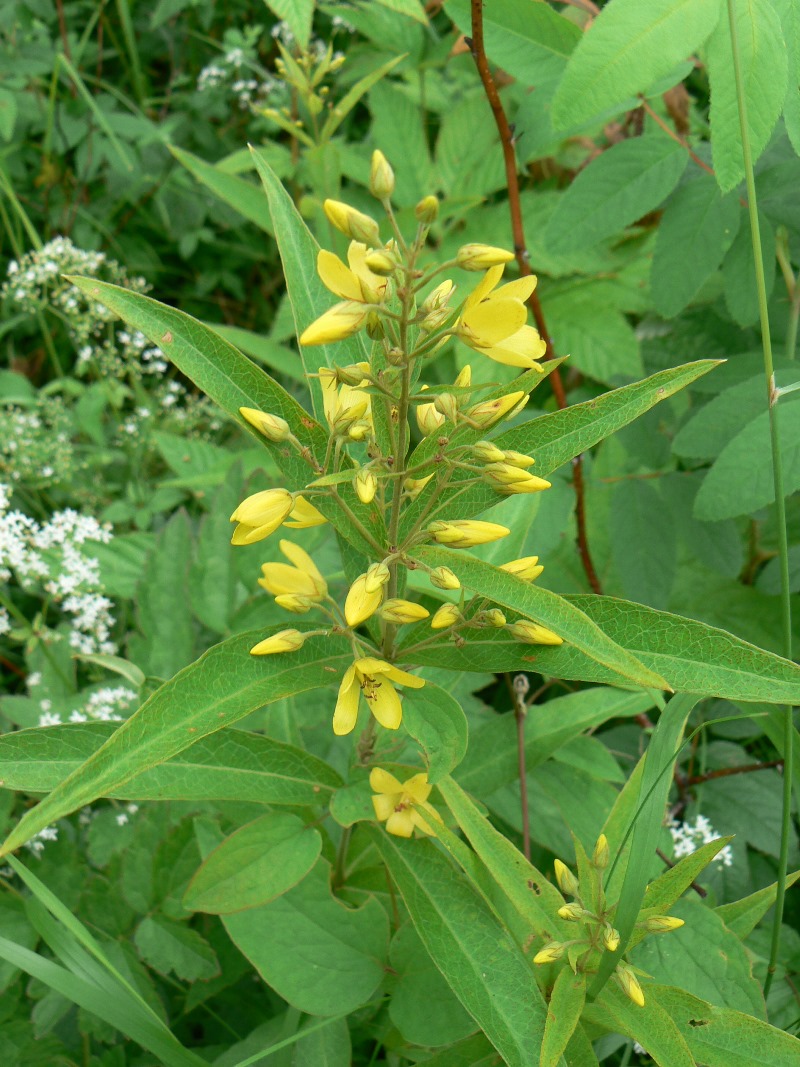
column 725, row 772
column 476, row 43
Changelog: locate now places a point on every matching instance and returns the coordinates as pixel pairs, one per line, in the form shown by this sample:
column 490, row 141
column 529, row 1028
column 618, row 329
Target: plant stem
column 777, row 478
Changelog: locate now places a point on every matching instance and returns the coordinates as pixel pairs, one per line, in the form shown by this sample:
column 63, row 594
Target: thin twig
column 725, row 772
column 518, row 689
column 697, row 888
column 476, row 44
column 675, row 137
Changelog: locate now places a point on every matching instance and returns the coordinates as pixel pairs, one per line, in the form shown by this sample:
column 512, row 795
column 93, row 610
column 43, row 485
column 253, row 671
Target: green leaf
column 762, row 55
column 166, row 639
column 343, row 107
column 117, row 665
column 492, row 759
column 535, row 602
column 722, row 1037
column 233, row 765
column 321, row 956
column 742, row 916
column 422, row 1007
column 696, row 230
column 223, row 686
column 272, row 354
column 436, row 721
column 243, row 196
column 739, row 274
column 213, row 577
column 399, row 132
column 482, row 965
column 412, row 8
column 122, row 562
column 254, row 865
column 740, row 481
column 639, row 517
column 599, row 339
column 8, row 113
column 617, row 188
column 631, row 45
column 174, row 948
column 298, row 14
column 530, row 41
column 563, row 1015
column 652, row 1026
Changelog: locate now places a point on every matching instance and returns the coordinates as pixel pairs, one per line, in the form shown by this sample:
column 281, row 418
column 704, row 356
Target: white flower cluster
column 49, row 554
column 687, row 837
column 235, row 71
column 36, row 448
column 104, row 705
column 36, row 845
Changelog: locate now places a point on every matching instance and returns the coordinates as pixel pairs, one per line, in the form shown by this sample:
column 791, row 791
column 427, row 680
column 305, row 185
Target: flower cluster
column 51, row 558
column 236, row 71
column 590, row 909
column 687, row 837
column 401, row 500
column 36, row 448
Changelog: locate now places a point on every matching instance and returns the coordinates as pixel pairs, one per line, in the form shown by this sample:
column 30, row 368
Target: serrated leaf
column 298, row 14
column 631, row 45
column 255, row 864
column 618, row 187
column 223, row 686
column 599, row 339
column 563, row 1015
column 435, row 719
column 763, row 60
column 482, row 965
column 696, row 230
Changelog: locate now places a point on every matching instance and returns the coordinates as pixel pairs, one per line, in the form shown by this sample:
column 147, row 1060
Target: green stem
column 777, row 477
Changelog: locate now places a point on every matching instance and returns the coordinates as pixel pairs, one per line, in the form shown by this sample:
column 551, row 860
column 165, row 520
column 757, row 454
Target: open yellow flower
column 398, row 803
column 376, row 679
column 299, row 577
column 303, row 515
column 356, row 282
column 493, row 321
column 261, row 514
column 345, row 405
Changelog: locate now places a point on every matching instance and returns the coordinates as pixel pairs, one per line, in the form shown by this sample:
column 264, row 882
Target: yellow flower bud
column 661, row 924
column 273, row 427
column 488, row 452
column 366, row 594
column 506, row 478
column 376, row 577
column 352, row 223
column 381, row 176
column 438, row 297
column 447, row 615
column 414, row 486
column 358, row 431
column 466, row 533
column 443, row 578
column 534, row 634
column 610, row 938
column 366, row 485
column 518, row 459
column 528, row 568
column 601, row 854
column 428, row 419
column 550, row 953
column 339, row 322
column 295, row 602
column 489, row 412
column 427, row 209
column 398, row 612
column 629, row 984
column 284, row 641
column 464, row 378
column 260, row 514
column 354, row 374
column 573, row 913
column 380, row 262
column 447, row 405
column 481, row 257
column 567, row 882
column 491, row 617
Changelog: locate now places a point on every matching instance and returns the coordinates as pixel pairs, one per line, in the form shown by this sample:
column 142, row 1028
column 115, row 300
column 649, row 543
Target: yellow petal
column 303, row 515
column 336, row 277
column 491, row 322
column 280, row 578
column 339, row 322
column 384, row 806
column 301, row 559
column 519, row 289
column 361, row 605
column 522, row 349
column 384, row 703
column 485, row 285
column 384, row 782
column 346, row 712
column 400, row 823
column 400, row 677
column 418, row 788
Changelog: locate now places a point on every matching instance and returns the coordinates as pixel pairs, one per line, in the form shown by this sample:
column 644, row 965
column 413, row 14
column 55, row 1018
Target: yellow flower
column 295, row 602
column 398, row 612
column 492, row 617
column 447, row 615
column 466, row 533
column 534, row 634
column 302, row 578
column 567, row 882
column 435, row 307
column 365, row 594
column 610, row 938
column 337, row 323
column 284, row 641
column 481, row 257
column 443, row 578
column 488, row 412
column 661, row 924
column 550, row 953
column 356, row 283
column 629, row 984
column 573, row 913
column 346, row 406
column 366, row 485
column 429, row 419
column 493, row 321
column 260, row 514
column 506, row 478
column 488, row 452
column 602, row 853
column 374, row 678
column 381, row 176
column 427, row 209
column 397, row 803
column 518, row 459
column 303, row 515
column 273, row 427
column 528, row 568
column 352, row 223
column 414, row 486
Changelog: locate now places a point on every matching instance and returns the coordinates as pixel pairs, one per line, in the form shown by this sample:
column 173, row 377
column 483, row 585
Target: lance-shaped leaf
column 651, row 1025
column 243, row 196
column 436, row 720
column 556, row 438
column 539, row 604
column 691, row 655
column 231, row 765
column 220, row 688
column 742, row 916
column 563, row 1015
column 232, row 381
column 482, row 965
